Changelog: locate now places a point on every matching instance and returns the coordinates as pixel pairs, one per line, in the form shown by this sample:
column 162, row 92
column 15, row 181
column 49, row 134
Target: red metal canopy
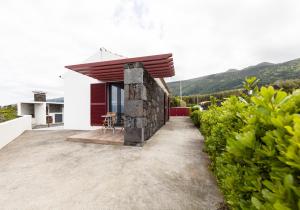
column 159, row 66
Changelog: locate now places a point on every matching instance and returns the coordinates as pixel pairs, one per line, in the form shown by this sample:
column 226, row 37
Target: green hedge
column 254, row 147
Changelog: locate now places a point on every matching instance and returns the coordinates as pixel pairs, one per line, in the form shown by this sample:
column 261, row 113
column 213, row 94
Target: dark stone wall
column 40, row 97
column 144, row 105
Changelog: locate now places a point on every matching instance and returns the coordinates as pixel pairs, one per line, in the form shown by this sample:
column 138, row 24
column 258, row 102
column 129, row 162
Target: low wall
column 11, row 129
column 144, row 105
column 179, row 111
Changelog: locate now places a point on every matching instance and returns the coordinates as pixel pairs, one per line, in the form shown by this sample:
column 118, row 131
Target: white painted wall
column 40, row 113
column 159, row 82
column 19, row 109
column 11, row 129
column 26, row 109
column 77, row 101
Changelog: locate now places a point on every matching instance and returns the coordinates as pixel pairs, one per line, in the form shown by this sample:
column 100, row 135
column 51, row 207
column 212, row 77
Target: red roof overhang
column 159, row 66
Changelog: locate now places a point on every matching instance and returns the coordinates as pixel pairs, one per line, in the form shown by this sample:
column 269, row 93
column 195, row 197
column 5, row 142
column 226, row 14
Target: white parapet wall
column 11, row 129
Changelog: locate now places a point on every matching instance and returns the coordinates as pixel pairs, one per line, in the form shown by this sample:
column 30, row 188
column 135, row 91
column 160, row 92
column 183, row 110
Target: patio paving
column 41, row 170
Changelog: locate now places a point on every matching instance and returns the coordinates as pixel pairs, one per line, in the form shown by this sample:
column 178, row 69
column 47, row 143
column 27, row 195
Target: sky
column 38, row 37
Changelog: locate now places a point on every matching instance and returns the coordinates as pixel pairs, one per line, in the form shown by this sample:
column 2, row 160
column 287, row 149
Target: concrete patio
column 41, row 170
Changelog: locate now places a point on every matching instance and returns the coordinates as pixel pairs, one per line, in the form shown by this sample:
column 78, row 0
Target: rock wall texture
column 40, row 97
column 144, row 105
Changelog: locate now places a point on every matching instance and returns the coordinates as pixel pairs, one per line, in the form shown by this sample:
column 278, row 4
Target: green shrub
column 195, row 107
column 195, row 116
column 177, row 102
column 8, row 113
column 254, row 146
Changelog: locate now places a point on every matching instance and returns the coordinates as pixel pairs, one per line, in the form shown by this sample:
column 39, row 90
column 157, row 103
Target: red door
column 98, row 103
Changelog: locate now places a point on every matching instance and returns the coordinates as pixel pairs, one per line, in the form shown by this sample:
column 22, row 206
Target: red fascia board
column 121, row 78
column 121, row 61
column 118, row 66
column 110, row 78
column 114, row 77
column 166, row 72
column 162, row 73
column 120, row 70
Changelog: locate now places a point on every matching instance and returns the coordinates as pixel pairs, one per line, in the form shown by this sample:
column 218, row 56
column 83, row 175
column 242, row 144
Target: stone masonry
column 144, row 105
column 39, row 96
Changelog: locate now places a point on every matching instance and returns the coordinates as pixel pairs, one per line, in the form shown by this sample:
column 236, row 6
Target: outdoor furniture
column 122, row 121
column 109, row 121
column 49, row 120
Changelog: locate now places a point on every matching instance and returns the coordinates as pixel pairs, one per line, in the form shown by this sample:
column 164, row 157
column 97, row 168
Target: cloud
column 38, row 38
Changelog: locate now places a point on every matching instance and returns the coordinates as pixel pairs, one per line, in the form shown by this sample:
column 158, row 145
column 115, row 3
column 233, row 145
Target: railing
column 179, row 111
column 11, row 129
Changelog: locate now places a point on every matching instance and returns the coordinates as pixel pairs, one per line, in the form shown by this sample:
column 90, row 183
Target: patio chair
column 122, row 121
column 104, row 123
column 110, row 123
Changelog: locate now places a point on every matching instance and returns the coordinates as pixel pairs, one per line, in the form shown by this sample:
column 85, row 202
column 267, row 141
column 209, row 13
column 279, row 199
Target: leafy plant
column 251, row 85
column 195, row 116
column 8, row 113
column 254, row 147
column 177, row 102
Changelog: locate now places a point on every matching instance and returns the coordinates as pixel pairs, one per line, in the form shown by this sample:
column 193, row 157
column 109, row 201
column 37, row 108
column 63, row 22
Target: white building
column 78, row 90
column 77, row 93
column 40, row 109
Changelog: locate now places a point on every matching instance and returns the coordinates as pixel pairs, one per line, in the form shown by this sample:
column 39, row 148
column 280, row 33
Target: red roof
column 158, row 66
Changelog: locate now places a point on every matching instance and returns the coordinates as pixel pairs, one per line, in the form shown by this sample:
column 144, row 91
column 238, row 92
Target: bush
column 177, row 102
column 254, row 146
column 195, row 107
column 8, row 113
column 195, row 116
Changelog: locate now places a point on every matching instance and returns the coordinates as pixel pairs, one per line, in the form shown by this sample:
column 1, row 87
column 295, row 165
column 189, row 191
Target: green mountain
column 232, row 79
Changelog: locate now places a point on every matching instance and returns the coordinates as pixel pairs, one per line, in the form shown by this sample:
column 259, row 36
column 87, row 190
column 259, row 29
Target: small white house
column 40, row 109
column 132, row 88
column 77, row 91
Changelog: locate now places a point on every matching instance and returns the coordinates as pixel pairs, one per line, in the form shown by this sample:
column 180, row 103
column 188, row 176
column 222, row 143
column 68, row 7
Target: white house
column 133, row 88
column 40, row 109
column 77, row 93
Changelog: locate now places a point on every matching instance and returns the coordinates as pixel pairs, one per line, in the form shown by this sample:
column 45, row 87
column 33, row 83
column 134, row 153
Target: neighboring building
column 131, row 87
column 41, row 108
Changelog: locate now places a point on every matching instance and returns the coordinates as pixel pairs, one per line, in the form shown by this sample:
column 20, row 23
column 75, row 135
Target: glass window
column 114, row 99
column 122, row 100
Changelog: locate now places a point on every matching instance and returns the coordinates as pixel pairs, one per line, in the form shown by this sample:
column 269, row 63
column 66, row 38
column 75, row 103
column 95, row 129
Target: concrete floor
column 40, row 170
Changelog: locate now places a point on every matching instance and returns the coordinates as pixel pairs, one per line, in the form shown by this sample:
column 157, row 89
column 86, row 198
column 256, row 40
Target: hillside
column 232, row 79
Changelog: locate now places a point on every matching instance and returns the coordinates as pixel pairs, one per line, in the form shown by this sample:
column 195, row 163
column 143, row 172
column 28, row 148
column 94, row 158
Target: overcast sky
column 38, row 38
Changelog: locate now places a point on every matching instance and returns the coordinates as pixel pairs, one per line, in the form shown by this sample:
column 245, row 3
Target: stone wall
column 144, row 105
column 39, row 96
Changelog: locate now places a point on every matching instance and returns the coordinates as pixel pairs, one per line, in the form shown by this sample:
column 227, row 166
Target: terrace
column 41, row 170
